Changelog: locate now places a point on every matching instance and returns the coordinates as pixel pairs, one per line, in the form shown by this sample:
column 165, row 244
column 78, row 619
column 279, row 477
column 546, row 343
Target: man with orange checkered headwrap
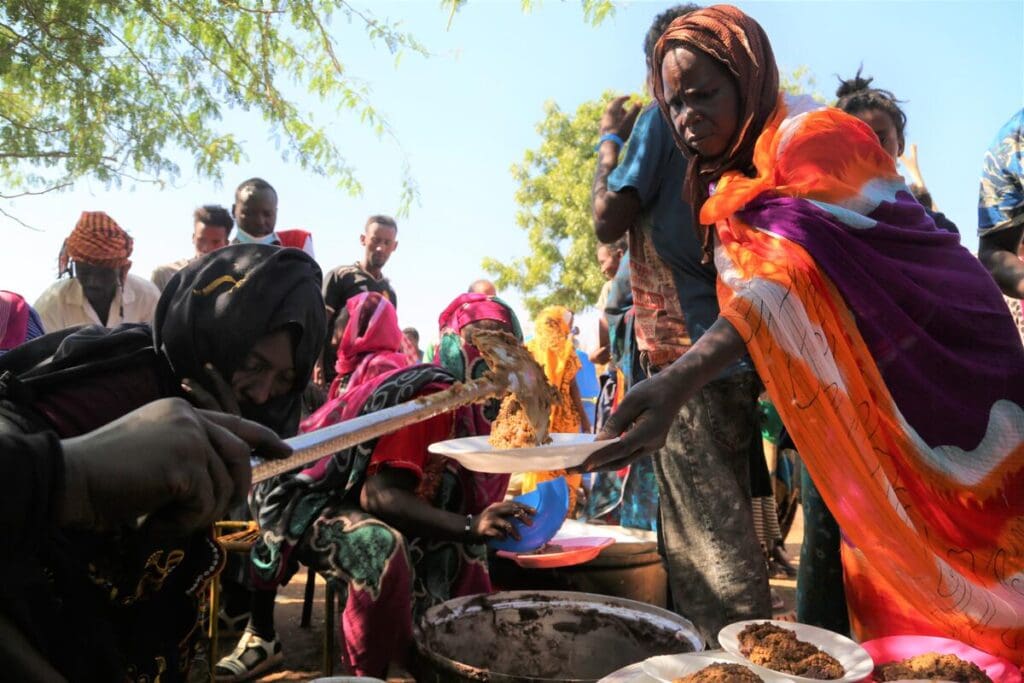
column 100, row 290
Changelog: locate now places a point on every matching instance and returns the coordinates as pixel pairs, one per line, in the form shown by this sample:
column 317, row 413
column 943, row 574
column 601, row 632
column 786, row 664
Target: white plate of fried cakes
column 798, row 652
column 713, row 667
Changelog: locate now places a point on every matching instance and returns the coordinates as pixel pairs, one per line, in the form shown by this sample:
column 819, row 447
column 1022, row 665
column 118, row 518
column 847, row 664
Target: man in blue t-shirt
column 717, row 571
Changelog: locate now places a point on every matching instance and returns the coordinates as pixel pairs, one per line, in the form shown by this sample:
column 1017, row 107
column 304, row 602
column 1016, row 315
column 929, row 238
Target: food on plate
column 929, row 666
column 721, row 673
column 546, row 549
column 512, row 427
column 778, row 649
column 525, row 415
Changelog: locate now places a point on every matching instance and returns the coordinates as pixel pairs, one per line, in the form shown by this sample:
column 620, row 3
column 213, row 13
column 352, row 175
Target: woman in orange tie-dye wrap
column 884, row 344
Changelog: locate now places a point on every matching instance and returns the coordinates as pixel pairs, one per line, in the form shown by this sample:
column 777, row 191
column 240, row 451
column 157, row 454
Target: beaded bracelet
column 610, row 136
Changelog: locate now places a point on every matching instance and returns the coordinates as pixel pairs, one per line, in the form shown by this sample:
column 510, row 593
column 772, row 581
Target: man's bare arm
column 614, row 212
column 998, row 252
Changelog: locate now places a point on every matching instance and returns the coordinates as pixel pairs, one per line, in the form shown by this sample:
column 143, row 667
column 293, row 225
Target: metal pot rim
column 458, row 607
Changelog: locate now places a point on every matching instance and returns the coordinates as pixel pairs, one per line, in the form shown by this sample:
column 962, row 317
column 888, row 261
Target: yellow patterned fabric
column 552, row 348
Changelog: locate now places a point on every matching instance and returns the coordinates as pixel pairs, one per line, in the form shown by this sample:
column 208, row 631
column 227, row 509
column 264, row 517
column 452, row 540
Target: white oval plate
column 634, row 673
column 476, row 454
column 667, row 668
column 855, row 659
column 637, row 673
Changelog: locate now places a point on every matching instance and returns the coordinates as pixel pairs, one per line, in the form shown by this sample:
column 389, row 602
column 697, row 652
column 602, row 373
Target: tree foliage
column 555, row 181
column 594, row 11
column 94, row 88
column 801, row 81
column 554, row 209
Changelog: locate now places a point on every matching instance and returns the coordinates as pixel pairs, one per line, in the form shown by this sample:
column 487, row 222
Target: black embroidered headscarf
column 216, row 308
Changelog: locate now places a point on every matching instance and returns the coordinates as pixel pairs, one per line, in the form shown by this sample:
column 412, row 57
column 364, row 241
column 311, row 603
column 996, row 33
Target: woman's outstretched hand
column 643, row 419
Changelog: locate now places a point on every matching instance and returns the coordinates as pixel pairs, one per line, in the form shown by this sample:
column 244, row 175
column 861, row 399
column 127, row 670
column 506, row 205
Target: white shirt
column 64, row 305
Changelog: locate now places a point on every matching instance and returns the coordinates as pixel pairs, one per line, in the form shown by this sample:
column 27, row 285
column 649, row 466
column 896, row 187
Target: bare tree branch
column 19, row 221
column 29, row 193
column 36, row 155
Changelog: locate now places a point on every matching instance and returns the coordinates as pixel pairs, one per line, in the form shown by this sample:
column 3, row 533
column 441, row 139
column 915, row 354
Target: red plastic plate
column 573, row 551
column 895, row 648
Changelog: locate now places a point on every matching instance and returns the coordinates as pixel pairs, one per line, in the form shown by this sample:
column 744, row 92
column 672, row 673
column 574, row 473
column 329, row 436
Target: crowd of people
column 753, row 246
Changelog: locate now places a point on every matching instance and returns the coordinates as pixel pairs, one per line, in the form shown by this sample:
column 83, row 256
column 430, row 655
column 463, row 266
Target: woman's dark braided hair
column 856, row 95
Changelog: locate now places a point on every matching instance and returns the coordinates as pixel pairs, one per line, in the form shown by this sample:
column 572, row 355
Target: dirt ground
column 303, row 647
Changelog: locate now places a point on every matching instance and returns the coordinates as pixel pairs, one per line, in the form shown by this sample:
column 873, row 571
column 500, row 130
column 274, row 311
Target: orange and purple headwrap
column 99, row 241
column 738, row 43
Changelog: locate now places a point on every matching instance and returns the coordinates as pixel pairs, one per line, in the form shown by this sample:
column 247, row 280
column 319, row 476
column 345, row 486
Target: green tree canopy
column 594, row 11
column 110, row 90
column 93, row 88
column 554, row 206
column 554, row 209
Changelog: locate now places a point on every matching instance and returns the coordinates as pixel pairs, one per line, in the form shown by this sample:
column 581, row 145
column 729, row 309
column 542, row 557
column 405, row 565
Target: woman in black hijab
column 219, row 309
column 123, row 605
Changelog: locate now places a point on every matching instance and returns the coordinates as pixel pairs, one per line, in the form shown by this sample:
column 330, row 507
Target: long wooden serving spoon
column 512, row 369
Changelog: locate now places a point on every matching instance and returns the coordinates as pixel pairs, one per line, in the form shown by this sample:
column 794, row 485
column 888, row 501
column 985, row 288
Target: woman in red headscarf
column 369, row 347
column 865, row 323
column 401, row 528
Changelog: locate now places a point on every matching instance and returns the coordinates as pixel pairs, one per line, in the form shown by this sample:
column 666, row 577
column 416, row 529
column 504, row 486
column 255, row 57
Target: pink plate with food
column 897, row 648
column 561, row 552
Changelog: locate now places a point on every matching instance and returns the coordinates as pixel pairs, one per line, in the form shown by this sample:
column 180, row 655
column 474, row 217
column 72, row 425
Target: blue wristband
column 610, row 136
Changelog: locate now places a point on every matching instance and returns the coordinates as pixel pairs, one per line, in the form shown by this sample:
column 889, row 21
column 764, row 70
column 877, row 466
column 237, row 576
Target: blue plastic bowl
column 551, row 501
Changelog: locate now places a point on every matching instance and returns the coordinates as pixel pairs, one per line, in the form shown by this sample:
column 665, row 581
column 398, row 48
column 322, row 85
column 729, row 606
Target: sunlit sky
column 466, row 113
